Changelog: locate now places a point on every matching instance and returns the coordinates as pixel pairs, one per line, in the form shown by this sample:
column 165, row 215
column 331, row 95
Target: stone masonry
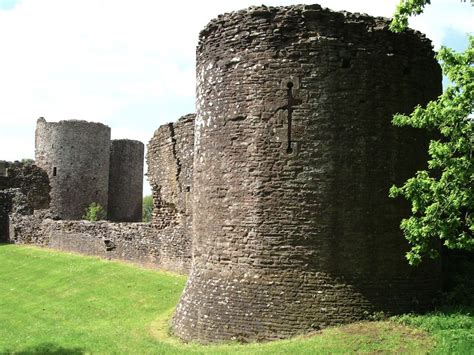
column 126, row 181
column 274, row 194
column 170, row 170
column 294, row 153
column 75, row 154
column 84, row 166
column 23, row 187
column 140, row 243
column 32, row 181
column 25, row 217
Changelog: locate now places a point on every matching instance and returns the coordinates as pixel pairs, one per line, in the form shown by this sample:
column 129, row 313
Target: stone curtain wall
column 126, row 181
column 140, row 243
column 170, row 170
column 293, row 229
column 75, row 154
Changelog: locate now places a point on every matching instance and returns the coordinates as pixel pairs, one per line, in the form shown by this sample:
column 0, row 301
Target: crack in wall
column 175, row 154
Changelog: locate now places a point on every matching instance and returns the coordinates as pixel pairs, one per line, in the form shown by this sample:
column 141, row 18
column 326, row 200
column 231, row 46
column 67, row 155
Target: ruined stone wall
column 294, row 154
column 5, row 208
column 22, row 187
column 12, row 201
column 170, row 170
column 32, row 181
column 140, row 243
column 126, row 181
column 75, row 154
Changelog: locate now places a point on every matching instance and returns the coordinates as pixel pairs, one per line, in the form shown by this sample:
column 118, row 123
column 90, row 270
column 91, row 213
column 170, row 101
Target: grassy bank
column 52, row 302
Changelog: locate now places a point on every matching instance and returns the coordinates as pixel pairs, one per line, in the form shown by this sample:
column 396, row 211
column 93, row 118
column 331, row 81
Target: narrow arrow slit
column 289, row 148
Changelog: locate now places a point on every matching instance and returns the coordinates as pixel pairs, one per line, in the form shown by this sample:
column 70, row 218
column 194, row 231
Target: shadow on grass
column 46, row 348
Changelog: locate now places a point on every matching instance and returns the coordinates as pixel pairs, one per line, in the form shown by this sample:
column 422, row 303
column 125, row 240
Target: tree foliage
column 95, row 212
column 147, row 208
column 405, row 9
column 442, row 196
column 27, row 161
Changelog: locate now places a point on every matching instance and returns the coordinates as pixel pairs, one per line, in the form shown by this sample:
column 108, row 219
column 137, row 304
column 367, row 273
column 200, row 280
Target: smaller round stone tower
column 126, row 181
column 75, row 154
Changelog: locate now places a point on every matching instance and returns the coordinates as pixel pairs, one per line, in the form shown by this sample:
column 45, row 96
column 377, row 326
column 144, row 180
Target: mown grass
column 58, row 303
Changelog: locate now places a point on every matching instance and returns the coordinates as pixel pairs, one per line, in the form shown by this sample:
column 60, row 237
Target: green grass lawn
column 52, row 302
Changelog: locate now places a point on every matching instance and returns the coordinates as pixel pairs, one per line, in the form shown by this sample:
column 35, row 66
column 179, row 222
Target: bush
column 95, row 212
column 147, row 208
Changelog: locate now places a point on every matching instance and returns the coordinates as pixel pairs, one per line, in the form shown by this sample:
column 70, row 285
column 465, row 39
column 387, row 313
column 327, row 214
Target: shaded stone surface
column 5, row 209
column 32, row 181
column 126, row 181
column 294, row 154
column 23, row 187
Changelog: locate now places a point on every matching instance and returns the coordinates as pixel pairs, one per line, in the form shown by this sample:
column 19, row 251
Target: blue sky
column 130, row 64
column 8, row 4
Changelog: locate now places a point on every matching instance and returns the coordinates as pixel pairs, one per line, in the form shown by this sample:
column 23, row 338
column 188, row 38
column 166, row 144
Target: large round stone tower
column 75, row 154
column 295, row 152
column 126, row 180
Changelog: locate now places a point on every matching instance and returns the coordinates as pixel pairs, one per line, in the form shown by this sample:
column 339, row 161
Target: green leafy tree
column 147, row 208
column 442, row 196
column 95, row 212
column 405, row 9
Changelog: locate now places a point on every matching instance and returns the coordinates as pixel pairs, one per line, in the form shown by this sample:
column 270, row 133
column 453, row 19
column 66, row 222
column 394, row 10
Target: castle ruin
column 85, row 166
column 82, row 165
column 274, row 195
column 294, row 154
